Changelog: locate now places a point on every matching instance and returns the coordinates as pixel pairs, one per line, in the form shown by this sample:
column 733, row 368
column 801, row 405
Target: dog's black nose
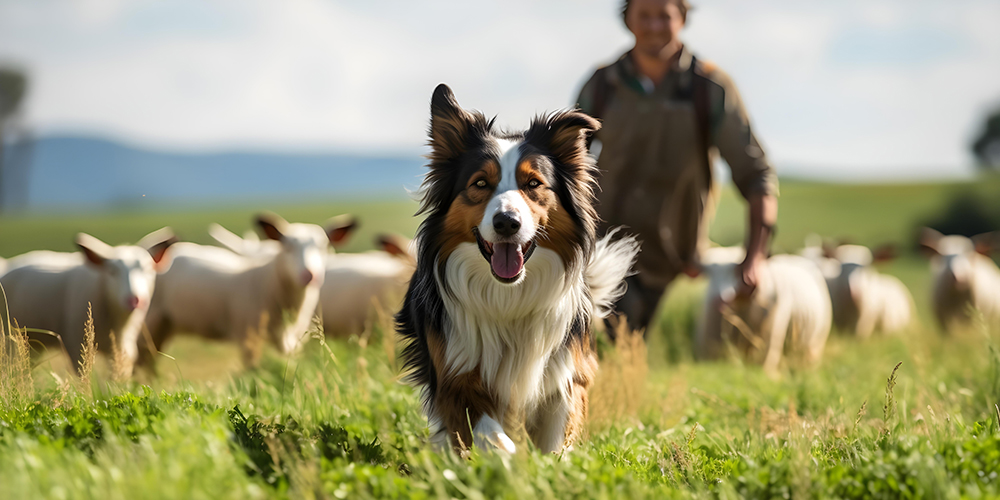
column 506, row 223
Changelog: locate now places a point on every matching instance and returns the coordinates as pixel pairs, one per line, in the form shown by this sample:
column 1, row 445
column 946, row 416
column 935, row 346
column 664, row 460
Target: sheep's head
column 129, row 271
column 952, row 256
column 721, row 266
column 302, row 259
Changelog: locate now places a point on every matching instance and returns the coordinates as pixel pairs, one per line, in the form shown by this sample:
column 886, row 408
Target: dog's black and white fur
column 510, row 275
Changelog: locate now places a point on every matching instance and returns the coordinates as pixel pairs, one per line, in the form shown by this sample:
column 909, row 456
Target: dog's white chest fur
column 508, row 331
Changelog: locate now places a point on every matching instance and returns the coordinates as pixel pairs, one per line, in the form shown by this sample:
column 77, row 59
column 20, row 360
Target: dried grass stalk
column 88, row 354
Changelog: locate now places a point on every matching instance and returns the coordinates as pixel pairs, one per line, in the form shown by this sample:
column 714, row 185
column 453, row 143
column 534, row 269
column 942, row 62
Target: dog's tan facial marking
column 557, row 228
column 468, row 207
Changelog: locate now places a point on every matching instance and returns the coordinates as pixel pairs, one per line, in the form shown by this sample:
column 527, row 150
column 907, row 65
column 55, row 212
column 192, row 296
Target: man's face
column 655, row 24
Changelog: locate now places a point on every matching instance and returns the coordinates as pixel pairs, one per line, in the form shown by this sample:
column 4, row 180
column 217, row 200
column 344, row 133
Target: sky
column 847, row 89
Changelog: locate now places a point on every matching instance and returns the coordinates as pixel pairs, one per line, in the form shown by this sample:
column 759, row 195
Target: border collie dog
column 510, row 276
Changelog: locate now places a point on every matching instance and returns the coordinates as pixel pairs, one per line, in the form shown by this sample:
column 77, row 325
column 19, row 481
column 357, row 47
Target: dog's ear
column 450, row 125
column 565, row 134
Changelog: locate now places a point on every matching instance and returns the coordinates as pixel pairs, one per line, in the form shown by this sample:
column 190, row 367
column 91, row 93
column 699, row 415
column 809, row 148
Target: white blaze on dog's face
column 508, row 227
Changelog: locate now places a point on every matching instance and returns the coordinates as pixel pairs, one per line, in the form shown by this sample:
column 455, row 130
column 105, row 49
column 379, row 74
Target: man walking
column 665, row 115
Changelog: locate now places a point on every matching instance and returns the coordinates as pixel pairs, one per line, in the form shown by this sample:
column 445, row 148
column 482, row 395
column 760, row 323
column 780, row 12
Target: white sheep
column 217, row 294
column 356, row 284
column 965, row 278
column 51, row 291
column 339, row 229
column 820, row 254
column 865, row 300
column 788, row 312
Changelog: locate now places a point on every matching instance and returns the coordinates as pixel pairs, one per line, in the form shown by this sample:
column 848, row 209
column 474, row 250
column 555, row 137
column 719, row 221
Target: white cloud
column 351, row 75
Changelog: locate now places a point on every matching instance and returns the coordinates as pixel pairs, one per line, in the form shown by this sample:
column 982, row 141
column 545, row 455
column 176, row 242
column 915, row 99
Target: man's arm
column 753, row 175
column 763, row 216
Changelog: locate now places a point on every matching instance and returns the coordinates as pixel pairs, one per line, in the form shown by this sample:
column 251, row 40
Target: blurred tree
column 987, row 146
column 13, row 87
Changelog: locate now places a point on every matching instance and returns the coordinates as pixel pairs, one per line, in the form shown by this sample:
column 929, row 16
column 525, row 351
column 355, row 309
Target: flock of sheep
column 139, row 296
column 800, row 297
column 250, row 290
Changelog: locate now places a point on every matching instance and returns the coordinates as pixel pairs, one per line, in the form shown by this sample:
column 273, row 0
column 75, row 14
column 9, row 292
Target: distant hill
column 71, row 171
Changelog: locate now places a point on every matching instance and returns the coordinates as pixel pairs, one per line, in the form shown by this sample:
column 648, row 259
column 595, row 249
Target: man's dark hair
column 682, row 5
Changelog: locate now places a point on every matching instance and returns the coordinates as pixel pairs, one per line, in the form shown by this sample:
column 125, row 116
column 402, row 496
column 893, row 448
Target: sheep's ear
column 884, row 253
column 928, row 241
column 157, row 243
column 227, row 238
column 272, row 225
column 813, row 240
column 394, row 245
column 450, row 125
column 94, row 250
column 565, row 134
column 986, row 243
column 340, row 228
column 829, row 250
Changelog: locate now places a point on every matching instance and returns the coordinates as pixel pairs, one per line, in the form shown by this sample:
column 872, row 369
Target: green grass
column 336, row 422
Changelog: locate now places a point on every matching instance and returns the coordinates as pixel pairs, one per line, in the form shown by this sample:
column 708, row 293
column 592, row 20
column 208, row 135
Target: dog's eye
column 533, row 183
column 481, row 184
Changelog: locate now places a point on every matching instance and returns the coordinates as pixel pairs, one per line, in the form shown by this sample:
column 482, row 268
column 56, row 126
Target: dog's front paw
column 489, row 435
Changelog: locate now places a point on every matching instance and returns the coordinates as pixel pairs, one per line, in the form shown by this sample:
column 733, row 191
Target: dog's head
column 508, row 192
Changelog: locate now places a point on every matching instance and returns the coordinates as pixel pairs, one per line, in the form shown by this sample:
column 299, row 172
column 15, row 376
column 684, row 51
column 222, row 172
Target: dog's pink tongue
column 507, row 260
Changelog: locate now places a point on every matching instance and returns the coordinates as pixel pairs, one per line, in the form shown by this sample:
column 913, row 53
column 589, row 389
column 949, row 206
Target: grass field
column 336, row 422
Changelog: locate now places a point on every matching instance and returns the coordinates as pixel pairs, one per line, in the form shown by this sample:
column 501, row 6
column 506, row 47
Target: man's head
column 655, row 23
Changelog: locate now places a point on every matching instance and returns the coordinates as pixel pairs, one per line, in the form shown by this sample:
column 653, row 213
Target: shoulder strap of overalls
column 602, row 91
column 702, row 109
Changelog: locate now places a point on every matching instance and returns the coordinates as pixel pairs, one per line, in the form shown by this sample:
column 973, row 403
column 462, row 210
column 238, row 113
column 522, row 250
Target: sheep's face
column 956, row 270
column 302, row 259
column 954, row 261
column 721, row 265
column 854, row 276
column 129, row 276
column 722, row 283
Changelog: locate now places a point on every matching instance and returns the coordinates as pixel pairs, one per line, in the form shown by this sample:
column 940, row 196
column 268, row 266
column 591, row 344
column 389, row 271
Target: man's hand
column 750, row 270
column 763, row 215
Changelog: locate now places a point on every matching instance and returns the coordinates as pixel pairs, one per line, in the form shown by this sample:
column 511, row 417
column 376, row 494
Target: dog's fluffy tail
column 610, row 263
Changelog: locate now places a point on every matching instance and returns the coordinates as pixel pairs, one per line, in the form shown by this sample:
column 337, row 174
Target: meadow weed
column 88, row 351
column 889, row 408
column 253, row 342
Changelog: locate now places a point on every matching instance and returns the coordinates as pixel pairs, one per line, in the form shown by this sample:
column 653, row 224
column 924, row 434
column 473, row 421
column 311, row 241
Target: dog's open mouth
column 506, row 259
